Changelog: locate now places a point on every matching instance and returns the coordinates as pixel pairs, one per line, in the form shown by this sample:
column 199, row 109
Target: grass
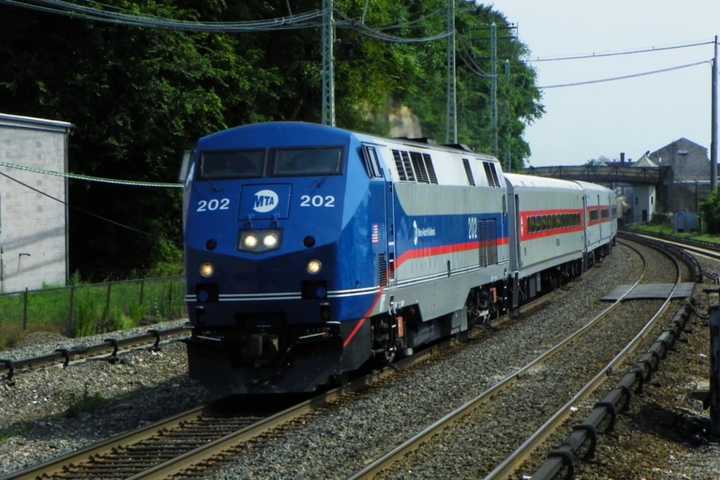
column 130, row 304
column 667, row 230
column 13, row 431
column 85, row 403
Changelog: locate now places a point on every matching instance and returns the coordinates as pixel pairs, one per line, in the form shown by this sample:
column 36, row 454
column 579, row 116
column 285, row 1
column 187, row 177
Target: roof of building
column 18, row 121
column 645, row 161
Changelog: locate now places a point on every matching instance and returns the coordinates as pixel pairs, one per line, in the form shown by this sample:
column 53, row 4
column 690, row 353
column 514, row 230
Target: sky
column 630, row 116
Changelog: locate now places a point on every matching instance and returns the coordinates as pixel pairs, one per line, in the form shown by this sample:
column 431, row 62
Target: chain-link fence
column 88, row 309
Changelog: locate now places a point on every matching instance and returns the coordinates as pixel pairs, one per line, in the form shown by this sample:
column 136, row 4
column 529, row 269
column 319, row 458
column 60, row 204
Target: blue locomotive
column 312, row 251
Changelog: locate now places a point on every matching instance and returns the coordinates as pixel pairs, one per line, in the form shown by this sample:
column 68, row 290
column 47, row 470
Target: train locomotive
column 313, row 251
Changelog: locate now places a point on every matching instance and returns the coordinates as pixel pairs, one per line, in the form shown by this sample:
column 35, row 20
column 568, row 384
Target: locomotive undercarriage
column 266, row 356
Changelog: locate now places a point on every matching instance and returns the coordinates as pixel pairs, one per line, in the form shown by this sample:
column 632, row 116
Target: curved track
column 515, row 381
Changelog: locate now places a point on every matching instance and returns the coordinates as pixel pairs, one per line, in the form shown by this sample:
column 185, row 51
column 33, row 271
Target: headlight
column 314, row 267
column 258, row 241
column 270, row 240
column 250, row 241
column 207, row 270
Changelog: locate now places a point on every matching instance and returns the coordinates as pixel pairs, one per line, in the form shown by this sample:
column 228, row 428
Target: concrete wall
column 33, row 228
column 689, row 161
column 643, row 202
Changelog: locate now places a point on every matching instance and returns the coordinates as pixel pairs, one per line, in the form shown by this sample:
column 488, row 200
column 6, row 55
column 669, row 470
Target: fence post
column 142, row 290
column 170, row 309
column 715, row 369
column 107, row 306
column 71, row 314
column 25, row 305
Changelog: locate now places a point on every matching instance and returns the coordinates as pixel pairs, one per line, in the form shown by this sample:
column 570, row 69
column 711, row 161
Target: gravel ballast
column 345, row 438
column 51, row 411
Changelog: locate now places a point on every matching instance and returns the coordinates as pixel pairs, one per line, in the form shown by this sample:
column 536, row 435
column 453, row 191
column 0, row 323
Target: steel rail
column 75, row 355
column 59, row 464
column 207, row 452
column 382, row 463
column 511, row 463
column 62, row 463
column 707, row 252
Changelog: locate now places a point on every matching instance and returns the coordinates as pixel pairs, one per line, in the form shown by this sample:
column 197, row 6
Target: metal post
column 451, row 135
column 493, row 86
column 25, row 305
column 713, row 121
column 71, row 317
column 142, row 290
column 107, row 305
column 328, row 64
column 170, row 308
column 715, row 370
column 508, row 113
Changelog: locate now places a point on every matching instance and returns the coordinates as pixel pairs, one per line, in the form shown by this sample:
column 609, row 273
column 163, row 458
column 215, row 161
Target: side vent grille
column 399, row 165
column 382, row 270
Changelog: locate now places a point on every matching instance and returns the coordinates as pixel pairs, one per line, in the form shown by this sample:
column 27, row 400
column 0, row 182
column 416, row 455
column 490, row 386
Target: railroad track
column 191, row 442
column 389, row 464
column 694, row 249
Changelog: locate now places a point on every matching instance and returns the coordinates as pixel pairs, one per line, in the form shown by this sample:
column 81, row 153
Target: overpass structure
column 606, row 174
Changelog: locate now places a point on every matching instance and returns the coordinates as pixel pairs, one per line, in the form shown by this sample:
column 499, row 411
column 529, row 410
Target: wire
column 378, row 35
column 622, row 52
column 89, row 178
column 472, row 65
column 624, row 77
column 78, row 209
column 60, row 7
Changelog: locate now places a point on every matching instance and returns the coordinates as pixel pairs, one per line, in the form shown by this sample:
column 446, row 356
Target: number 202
column 327, row 201
column 214, row 204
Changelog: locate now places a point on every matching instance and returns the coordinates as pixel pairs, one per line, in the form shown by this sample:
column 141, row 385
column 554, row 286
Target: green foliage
column 85, row 403
column 131, row 304
column 168, row 261
column 710, row 209
column 139, row 97
column 660, row 218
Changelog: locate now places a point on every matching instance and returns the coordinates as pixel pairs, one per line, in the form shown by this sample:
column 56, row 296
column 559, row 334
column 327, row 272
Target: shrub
column 711, row 212
column 85, row 403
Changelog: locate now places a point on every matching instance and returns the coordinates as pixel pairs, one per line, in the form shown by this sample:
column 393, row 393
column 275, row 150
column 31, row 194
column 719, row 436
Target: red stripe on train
column 444, row 250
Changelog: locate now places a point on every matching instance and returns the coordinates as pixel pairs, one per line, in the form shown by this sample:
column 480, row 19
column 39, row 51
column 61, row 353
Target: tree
column 711, row 212
column 139, row 97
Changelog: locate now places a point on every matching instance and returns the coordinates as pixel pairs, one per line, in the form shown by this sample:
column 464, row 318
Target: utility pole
column 328, row 64
column 451, row 134
column 494, row 86
column 508, row 114
column 713, row 121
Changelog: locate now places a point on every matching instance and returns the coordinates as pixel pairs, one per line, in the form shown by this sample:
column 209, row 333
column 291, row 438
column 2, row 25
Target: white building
column 33, row 227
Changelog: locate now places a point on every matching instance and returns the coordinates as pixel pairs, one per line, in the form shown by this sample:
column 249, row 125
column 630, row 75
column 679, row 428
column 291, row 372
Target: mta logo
column 265, row 201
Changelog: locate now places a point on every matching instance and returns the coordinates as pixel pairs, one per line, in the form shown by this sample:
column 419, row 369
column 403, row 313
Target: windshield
column 232, row 164
column 315, row 161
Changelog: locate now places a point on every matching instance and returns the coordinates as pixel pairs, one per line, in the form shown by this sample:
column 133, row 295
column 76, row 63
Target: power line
column 90, row 178
column 78, row 209
column 60, row 7
column 624, row 77
column 378, row 35
column 620, row 52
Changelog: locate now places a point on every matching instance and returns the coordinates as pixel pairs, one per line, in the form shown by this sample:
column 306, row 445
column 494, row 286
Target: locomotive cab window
column 307, row 162
column 232, row 164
